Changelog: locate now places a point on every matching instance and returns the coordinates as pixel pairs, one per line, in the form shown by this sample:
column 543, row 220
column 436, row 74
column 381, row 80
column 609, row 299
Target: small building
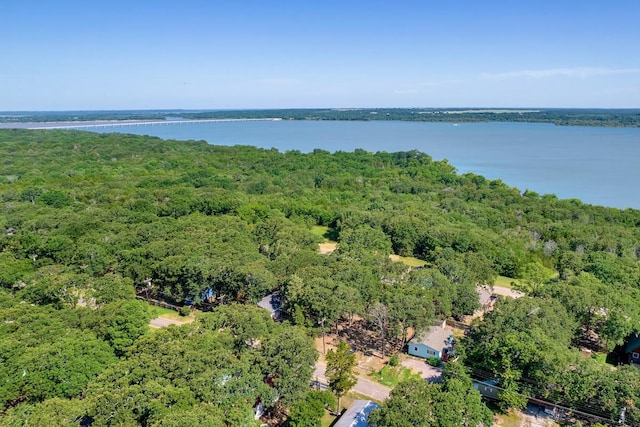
column 357, row 415
column 488, row 388
column 436, row 342
column 273, row 304
column 632, row 349
column 486, row 298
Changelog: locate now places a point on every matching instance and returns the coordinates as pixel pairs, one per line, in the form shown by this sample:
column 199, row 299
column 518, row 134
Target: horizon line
column 311, row 108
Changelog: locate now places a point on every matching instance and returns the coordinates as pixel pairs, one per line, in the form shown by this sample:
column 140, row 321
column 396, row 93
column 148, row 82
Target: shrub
column 433, row 361
column 394, row 360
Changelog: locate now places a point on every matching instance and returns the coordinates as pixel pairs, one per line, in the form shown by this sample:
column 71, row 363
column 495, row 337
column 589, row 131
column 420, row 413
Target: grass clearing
column 505, row 282
column 328, row 234
column 607, row 359
column 327, row 419
column 600, row 358
column 408, row 260
column 160, row 311
column 167, row 313
column 392, row 375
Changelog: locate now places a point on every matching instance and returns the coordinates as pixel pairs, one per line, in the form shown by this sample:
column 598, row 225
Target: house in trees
column 436, row 342
column 632, row 349
column 486, row 298
column 357, row 415
column 273, row 304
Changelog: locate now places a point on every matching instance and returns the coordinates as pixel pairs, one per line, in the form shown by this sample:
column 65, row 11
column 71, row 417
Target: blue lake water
column 596, row 165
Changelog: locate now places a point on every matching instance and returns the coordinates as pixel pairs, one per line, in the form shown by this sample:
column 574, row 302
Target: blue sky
column 72, row 55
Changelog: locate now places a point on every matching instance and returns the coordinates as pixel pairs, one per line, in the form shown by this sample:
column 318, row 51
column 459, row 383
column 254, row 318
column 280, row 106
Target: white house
column 433, row 343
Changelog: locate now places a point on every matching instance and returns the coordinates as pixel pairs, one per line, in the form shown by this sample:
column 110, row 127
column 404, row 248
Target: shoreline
column 80, row 124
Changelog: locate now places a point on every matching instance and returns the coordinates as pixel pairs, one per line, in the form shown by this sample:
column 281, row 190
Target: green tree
column 340, row 365
column 51, row 412
column 417, row 403
column 289, row 356
column 202, row 415
column 521, row 342
column 120, row 323
column 308, row 412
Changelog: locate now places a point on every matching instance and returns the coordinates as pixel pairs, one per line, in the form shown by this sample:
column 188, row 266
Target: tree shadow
column 361, row 336
column 331, row 234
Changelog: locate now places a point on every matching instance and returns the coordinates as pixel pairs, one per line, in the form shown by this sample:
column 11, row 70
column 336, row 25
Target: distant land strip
column 113, row 123
column 561, row 117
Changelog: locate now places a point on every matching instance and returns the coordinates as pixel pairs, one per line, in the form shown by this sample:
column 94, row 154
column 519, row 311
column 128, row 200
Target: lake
column 596, row 165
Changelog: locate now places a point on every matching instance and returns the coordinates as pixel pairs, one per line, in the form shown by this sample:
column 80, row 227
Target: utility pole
column 324, row 351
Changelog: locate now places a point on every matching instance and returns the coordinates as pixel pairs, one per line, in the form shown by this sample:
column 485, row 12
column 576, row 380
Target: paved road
column 363, row 386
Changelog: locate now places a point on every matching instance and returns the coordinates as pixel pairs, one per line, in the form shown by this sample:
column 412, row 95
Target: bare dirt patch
column 166, row 320
column 364, row 342
column 531, row 416
column 501, row 290
column 327, row 247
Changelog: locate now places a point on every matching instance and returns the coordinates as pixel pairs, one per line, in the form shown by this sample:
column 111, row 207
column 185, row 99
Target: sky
column 235, row 54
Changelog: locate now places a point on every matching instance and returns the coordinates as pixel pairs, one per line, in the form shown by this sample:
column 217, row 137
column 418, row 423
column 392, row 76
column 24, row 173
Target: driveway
column 428, row 372
column 501, row 290
column 364, row 386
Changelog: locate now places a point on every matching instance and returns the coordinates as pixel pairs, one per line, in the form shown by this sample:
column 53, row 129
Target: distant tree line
column 557, row 116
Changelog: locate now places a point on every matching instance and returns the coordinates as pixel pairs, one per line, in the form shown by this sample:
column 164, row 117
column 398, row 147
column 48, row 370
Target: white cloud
column 580, row 72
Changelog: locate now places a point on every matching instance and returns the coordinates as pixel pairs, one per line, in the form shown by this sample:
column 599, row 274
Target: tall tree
column 340, row 364
column 380, row 314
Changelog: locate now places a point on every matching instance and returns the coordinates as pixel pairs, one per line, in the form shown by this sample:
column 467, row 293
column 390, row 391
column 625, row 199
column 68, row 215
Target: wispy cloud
column 579, row 72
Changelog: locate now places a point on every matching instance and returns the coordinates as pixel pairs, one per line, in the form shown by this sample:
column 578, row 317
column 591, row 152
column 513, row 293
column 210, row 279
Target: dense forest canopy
column 88, row 218
column 558, row 116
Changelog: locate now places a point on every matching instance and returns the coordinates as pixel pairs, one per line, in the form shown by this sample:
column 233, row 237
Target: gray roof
column 272, row 303
column 357, row 414
column 436, row 338
column 484, row 294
